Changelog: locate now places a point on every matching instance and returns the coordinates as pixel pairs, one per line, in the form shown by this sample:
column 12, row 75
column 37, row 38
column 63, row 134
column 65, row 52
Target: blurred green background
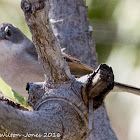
column 116, row 30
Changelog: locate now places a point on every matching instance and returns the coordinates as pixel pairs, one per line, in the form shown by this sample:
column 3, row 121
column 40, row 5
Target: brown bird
column 19, row 62
column 79, row 69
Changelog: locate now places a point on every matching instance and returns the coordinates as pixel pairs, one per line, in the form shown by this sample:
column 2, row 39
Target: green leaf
column 10, row 93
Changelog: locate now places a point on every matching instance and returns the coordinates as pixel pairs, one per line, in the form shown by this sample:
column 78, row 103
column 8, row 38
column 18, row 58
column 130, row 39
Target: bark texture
column 45, row 41
column 71, row 27
column 53, row 113
column 58, row 103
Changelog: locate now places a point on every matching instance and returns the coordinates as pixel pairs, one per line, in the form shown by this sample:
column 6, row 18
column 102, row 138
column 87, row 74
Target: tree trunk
column 61, row 103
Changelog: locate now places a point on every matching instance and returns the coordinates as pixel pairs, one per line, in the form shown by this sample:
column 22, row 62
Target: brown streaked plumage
column 77, row 68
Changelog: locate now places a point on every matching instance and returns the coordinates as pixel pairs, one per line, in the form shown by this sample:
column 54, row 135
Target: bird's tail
column 126, row 88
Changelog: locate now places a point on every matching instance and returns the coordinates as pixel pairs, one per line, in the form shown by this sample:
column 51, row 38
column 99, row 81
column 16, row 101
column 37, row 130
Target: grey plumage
column 18, row 59
column 30, row 49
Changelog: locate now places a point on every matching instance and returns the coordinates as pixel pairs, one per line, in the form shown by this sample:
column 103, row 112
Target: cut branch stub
column 31, row 6
column 98, row 85
column 37, row 17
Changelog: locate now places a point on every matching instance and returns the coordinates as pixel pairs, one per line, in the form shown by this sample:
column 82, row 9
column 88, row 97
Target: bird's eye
column 7, row 32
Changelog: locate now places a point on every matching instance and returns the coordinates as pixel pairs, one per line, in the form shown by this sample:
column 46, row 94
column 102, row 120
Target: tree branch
column 37, row 17
column 58, row 104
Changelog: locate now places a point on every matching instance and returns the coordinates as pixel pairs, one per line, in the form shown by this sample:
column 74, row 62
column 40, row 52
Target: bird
column 19, row 62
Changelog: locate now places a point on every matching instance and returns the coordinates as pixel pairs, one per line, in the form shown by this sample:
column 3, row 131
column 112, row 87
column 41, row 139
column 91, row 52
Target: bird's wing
column 31, row 50
column 77, row 68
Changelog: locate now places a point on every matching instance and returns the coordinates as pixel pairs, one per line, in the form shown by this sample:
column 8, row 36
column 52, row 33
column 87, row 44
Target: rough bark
column 60, row 111
column 52, row 114
column 71, row 27
column 58, row 103
column 45, row 41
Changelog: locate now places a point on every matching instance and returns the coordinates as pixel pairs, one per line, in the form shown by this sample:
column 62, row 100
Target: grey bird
column 19, row 62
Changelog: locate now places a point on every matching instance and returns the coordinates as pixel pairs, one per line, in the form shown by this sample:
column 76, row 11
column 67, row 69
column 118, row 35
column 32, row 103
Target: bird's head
column 11, row 40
